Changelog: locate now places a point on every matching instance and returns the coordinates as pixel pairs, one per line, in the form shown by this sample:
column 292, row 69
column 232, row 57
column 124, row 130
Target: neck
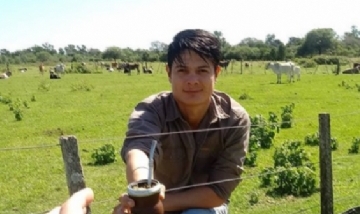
column 194, row 114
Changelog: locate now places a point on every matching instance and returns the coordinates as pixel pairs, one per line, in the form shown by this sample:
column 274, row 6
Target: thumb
column 162, row 192
column 78, row 201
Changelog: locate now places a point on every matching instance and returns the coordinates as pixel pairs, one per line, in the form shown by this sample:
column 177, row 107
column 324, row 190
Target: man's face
column 193, row 81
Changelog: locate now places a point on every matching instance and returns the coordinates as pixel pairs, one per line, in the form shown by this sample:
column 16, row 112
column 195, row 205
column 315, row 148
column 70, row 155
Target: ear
column 217, row 71
column 168, row 71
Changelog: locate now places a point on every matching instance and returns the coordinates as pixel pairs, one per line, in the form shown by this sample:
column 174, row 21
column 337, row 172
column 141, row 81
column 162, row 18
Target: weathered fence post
column 232, row 65
column 241, row 66
column 325, row 160
column 74, row 173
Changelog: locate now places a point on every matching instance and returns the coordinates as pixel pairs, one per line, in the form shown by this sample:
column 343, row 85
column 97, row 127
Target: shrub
column 104, row 155
column 262, row 132
column 313, row 140
column 244, row 96
column 297, row 181
column 254, row 198
column 330, row 60
column 290, row 152
column 292, row 174
column 306, row 63
column 354, row 149
column 78, row 68
column 286, row 115
column 261, row 136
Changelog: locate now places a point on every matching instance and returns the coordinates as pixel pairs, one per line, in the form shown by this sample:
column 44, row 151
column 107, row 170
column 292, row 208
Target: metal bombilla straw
column 151, row 162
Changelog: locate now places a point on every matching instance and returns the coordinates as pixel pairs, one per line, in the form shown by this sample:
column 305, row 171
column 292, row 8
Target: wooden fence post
column 74, row 173
column 325, row 160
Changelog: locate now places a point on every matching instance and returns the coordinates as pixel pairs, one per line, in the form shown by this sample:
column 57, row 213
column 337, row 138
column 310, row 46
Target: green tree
column 112, row 53
column 318, row 41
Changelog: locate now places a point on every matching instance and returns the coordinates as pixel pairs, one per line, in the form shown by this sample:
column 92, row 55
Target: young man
column 216, row 149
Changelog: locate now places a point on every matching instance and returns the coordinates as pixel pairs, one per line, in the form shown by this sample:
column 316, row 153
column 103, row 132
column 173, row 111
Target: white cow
column 297, row 71
column 60, row 68
column 280, row 68
column 5, row 75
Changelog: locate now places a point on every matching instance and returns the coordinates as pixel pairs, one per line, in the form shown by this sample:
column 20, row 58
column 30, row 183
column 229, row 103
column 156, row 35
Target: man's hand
column 76, row 204
column 126, row 203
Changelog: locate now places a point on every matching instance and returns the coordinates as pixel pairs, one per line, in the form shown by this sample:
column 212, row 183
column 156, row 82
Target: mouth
column 192, row 91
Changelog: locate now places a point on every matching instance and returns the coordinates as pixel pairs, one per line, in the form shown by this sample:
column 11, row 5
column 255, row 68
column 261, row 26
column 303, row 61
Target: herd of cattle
column 127, row 67
column 279, row 68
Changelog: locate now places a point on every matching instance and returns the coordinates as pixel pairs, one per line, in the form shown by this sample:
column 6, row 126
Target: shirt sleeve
column 144, row 126
column 229, row 165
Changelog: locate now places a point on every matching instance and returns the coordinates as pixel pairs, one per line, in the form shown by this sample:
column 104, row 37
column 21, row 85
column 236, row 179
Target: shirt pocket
column 174, row 165
column 174, row 154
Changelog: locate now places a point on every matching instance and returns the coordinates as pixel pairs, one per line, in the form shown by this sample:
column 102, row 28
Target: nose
column 192, row 79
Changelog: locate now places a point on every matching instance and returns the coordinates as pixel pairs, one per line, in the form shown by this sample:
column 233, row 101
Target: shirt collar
column 216, row 108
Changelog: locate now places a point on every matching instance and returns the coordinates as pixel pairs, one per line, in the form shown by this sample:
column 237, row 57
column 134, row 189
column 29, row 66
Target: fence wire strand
column 175, row 132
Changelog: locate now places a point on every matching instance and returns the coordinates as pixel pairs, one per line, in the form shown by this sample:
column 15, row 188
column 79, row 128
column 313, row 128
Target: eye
column 204, row 71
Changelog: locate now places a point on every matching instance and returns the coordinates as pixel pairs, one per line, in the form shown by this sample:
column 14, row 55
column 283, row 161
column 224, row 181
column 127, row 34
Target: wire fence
column 35, row 179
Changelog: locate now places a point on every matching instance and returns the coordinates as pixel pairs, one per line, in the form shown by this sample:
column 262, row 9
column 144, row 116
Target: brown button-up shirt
column 214, row 152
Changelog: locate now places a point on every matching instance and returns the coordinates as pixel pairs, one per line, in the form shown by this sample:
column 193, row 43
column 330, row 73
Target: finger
column 127, row 201
column 119, row 209
column 127, row 211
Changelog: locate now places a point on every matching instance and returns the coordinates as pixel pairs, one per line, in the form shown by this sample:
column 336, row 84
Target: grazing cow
column 114, row 64
column 247, row 65
column 60, row 68
column 128, row 67
column 147, row 70
column 54, row 75
column 42, row 68
column 22, row 70
column 224, row 64
column 5, row 75
column 280, row 68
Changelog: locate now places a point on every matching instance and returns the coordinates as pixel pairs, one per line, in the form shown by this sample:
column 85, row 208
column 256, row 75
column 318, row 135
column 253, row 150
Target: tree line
column 320, row 41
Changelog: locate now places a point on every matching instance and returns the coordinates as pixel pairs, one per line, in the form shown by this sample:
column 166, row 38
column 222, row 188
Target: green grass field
column 32, row 180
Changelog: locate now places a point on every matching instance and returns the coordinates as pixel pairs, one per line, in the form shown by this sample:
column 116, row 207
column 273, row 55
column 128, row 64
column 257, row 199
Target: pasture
column 95, row 108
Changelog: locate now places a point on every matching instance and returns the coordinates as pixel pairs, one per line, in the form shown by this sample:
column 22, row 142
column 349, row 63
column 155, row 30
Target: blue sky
column 136, row 23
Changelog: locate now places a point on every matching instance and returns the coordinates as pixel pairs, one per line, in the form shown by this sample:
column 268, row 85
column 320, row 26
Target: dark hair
column 202, row 42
